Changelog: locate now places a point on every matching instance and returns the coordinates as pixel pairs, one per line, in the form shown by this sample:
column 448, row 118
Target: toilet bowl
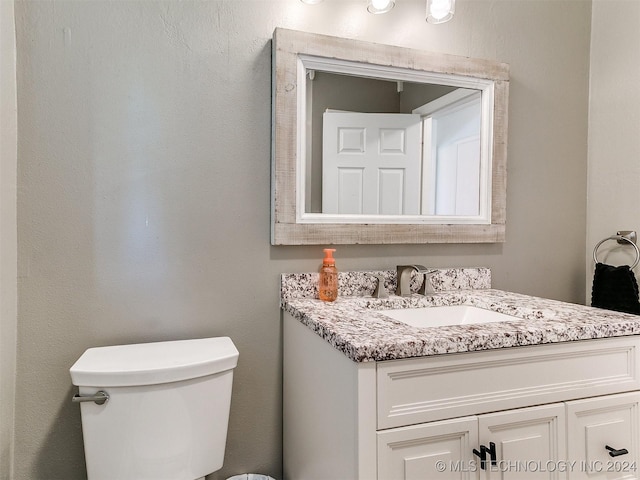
column 155, row 411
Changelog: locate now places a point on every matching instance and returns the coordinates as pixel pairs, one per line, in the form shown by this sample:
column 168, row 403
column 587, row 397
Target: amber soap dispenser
column 328, row 282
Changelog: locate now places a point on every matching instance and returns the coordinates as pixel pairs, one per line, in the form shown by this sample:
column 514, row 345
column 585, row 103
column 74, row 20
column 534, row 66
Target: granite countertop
column 355, row 325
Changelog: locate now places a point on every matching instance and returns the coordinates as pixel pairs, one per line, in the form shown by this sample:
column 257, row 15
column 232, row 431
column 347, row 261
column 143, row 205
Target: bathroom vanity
column 553, row 392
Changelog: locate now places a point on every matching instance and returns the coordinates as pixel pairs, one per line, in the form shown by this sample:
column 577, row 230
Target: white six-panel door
column 371, row 163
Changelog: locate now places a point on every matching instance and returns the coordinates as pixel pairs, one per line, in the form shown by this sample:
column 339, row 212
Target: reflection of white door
column 458, row 177
column 451, row 175
column 371, row 163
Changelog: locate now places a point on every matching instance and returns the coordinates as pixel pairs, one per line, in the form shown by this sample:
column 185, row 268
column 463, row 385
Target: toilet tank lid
column 153, row 363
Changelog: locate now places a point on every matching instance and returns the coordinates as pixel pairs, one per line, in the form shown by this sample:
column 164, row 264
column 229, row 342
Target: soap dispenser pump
column 328, row 282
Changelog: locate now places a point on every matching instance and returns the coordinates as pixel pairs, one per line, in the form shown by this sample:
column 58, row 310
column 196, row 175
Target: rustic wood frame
column 286, row 229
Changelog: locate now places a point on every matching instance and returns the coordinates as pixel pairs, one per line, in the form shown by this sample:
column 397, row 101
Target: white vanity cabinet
column 443, row 450
column 548, row 409
column 528, row 442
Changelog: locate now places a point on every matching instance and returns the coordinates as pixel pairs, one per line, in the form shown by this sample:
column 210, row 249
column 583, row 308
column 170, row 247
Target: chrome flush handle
column 99, row 398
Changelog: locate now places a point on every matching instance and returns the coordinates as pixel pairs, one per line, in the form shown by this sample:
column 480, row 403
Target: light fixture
column 373, row 6
column 380, row 6
column 440, row 11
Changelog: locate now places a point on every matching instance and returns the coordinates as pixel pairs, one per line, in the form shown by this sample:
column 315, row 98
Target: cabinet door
column 529, row 442
column 595, row 423
column 433, row 451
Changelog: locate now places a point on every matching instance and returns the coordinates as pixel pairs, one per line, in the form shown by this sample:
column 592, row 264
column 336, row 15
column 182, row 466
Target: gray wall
column 8, row 237
column 614, row 131
column 143, row 187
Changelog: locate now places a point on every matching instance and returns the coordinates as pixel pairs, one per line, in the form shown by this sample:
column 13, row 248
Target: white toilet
column 157, row 410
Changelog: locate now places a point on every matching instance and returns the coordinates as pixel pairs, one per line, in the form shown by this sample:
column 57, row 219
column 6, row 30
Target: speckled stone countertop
column 355, row 324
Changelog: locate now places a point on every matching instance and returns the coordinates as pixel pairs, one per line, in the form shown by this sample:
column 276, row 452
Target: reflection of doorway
column 451, row 154
column 371, row 163
column 457, row 177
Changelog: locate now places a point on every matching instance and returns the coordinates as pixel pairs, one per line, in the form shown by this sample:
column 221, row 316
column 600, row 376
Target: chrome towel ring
column 619, row 238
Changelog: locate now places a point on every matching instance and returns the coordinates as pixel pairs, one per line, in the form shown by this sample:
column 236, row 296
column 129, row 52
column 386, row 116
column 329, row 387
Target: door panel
column 350, row 184
column 433, row 451
column 386, row 149
column 457, row 178
column 594, row 423
column 529, row 442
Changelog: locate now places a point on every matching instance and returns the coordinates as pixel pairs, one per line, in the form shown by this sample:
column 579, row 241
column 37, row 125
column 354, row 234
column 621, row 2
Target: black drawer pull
column 483, row 455
column 492, row 453
column 616, row 453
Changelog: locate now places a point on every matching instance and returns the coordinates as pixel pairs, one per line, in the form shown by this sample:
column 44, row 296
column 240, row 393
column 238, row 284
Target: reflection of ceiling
column 371, row 95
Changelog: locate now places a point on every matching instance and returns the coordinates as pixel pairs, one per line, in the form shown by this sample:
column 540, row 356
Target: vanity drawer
column 424, row 389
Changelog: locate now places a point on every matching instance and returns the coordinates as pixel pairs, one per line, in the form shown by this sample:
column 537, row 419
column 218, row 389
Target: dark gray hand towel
column 615, row 288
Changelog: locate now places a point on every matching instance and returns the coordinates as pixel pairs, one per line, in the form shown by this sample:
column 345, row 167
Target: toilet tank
column 168, row 408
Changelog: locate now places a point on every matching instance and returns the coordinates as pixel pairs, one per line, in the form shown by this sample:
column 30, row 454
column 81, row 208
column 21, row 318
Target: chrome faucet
column 403, row 288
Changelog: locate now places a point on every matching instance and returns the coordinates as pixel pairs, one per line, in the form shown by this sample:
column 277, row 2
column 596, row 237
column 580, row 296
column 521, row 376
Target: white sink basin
column 449, row 315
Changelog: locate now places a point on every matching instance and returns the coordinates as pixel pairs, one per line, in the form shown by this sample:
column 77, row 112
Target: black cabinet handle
column 616, row 453
column 483, row 456
column 492, row 453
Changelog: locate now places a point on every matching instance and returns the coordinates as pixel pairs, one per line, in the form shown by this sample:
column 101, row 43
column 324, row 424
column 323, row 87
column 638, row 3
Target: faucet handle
column 380, row 291
column 427, row 286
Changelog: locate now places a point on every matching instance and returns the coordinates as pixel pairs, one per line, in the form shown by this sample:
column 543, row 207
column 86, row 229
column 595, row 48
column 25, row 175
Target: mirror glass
column 380, row 147
column 382, row 144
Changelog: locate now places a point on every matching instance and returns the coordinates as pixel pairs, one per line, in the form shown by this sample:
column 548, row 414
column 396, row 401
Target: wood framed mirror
column 377, row 144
